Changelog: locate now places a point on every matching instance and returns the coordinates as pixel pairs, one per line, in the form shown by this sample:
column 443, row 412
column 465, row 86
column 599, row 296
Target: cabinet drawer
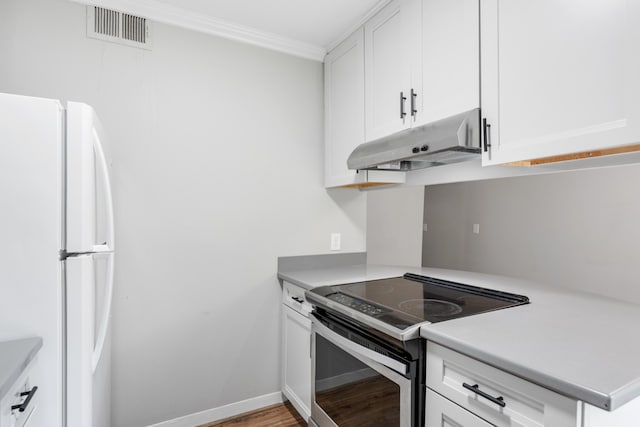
column 15, row 418
column 494, row 395
column 293, row 296
column 442, row 412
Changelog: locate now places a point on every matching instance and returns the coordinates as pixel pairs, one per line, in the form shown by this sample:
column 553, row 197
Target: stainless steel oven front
column 360, row 380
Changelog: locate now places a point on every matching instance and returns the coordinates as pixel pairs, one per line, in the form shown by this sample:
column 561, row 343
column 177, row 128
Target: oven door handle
column 358, row 349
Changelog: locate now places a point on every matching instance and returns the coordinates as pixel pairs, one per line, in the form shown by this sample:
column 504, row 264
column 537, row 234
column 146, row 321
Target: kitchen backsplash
column 575, row 229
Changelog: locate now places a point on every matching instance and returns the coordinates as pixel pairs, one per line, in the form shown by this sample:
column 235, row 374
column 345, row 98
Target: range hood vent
column 118, row 27
column 451, row 140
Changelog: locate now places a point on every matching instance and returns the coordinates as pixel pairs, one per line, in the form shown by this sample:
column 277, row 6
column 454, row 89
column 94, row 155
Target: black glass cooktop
column 405, row 301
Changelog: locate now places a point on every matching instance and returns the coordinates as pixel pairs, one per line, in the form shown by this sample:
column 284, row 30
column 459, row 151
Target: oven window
column 350, row 392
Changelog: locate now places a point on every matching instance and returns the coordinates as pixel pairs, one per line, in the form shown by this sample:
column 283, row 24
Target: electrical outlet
column 335, row 241
column 476, row 228
column 424, row 227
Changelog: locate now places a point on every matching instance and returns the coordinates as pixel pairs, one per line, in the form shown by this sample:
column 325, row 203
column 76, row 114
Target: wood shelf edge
column 577, row 156
column 367, row 185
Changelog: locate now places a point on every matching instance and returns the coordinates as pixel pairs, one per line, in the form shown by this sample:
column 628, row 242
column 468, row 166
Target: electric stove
column 399, row 305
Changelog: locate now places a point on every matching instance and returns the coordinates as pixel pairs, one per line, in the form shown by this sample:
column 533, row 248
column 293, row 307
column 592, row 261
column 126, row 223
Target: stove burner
column 430, row 307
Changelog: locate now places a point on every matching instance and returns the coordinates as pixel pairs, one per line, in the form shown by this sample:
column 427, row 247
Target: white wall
column 575, row 229
column 217, row 171
column 394, row 226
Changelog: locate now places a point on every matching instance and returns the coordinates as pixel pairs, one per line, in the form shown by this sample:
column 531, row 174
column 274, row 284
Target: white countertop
column 14, row 357
column 581, row 345
column 313, row 278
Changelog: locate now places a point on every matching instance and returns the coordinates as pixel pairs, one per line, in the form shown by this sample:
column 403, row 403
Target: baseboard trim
column 222, row 412
column 303, row 410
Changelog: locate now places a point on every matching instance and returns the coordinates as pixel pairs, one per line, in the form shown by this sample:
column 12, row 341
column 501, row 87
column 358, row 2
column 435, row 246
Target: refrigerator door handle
column 103, row 318
column 104, row 170
column 89, row 214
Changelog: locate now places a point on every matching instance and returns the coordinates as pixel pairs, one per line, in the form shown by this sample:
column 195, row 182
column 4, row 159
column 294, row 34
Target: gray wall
column 575, row 229
column 217, row 171
column 394, row 226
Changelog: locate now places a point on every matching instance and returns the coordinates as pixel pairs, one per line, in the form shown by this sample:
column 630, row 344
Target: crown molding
column 358, row 24
column 167, row 14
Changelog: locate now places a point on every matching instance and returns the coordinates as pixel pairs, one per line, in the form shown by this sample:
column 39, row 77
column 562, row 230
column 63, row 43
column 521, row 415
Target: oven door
column 353, row 385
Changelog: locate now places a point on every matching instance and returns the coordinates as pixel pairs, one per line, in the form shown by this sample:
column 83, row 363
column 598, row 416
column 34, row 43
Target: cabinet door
column 389, row 38
column 559, row 76
column 296, row 360
column 344, row 109
column 441, row 412
column 450, row 59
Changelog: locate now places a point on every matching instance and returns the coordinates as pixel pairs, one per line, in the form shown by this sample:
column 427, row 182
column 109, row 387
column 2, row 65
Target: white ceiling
column 301, row 27
column 317, row 22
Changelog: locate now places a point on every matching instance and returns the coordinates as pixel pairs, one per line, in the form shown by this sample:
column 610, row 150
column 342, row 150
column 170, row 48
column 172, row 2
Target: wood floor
column 372, row 402
column 280, row 415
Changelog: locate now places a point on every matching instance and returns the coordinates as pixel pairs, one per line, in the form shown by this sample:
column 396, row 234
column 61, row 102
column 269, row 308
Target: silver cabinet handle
column 402, row 99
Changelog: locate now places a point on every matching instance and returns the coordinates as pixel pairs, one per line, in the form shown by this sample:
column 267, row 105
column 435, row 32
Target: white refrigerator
column 57, row 254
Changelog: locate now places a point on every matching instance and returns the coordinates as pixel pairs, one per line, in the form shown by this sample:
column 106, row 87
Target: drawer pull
column 297, row 299
column 476, row 389
column 23, row 406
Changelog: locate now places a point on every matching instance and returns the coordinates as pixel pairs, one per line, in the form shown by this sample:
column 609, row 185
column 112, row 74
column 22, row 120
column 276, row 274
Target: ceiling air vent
column 118, row 27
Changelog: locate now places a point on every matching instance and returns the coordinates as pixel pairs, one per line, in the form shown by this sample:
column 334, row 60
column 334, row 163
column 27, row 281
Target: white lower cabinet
column 22, row 393
column 462, row 391
column 442, row 412
column 495, row 396
column 296, row 350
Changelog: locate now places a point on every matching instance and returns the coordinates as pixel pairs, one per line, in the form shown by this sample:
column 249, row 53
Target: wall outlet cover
column 335, row 241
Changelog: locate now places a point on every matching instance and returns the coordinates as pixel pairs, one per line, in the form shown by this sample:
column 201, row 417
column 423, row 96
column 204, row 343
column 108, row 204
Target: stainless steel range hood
column 451, row 140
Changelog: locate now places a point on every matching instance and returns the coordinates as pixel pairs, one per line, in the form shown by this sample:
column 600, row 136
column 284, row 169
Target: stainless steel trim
column 63, row 183
column 399, row 334
column 64, row 369
column 450, row 140
column 355, row 349
column 319, row 417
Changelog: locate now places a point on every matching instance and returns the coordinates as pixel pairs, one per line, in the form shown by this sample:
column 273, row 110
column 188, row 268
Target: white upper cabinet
column 392, row 40
column 344, row 109
column 559, row 76
column 414, row 62
column 344, row 116
column 421, row 63
column 450, row 78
